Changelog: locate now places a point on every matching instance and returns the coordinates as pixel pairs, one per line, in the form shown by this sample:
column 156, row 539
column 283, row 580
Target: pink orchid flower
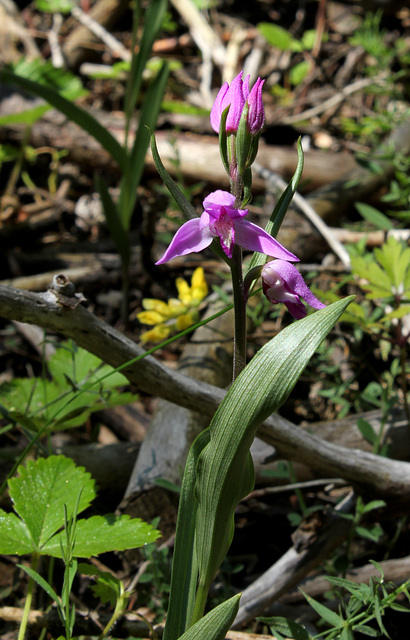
column 235, row 95
column 282, row 282
column 221, row 219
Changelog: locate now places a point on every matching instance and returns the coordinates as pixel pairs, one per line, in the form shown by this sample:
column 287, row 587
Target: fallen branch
column 366, row 471
column 129, row 625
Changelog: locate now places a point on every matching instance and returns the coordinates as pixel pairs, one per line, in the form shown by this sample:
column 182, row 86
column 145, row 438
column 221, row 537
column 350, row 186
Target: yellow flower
column 178, row 313
column 157, row 334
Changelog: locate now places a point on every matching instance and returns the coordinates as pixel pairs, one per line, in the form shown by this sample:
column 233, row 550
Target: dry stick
column 202, row 33
column 274, row 182
column 366, row 471
column 105, row 36
column 129, row 625
column 293, row 566
column 336, row 99
column 397, row 571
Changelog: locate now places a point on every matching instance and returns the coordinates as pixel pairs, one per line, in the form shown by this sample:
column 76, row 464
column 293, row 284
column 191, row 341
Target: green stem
column 200, row 602
column 29, row 599
column 118, row 611
column 239, row 357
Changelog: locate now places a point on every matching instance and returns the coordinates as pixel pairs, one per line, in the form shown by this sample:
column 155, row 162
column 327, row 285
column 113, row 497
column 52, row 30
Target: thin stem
column 29, row 599
column 200, row 602
column 239, row 358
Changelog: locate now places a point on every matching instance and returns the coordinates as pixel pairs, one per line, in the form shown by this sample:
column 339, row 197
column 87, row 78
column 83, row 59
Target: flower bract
column 221, row 220
column 282, row 282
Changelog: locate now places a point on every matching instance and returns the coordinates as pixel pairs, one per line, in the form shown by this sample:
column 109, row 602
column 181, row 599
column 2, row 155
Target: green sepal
column 223, row 140
column 224, row 471
column 243, row 141
column 251, row 275
column 171, row 185
column 253, row 149
column 247, row 187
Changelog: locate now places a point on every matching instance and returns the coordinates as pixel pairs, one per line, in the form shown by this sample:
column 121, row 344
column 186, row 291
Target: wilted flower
column 221, row 219
column 178, row 313
column 282, row 282
column 235, row 95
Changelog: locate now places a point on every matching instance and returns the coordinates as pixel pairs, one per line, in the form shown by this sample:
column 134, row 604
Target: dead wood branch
column 104, row 12
column 129, row 625
column 294, row 565
column 393, row 570
column 368, row 472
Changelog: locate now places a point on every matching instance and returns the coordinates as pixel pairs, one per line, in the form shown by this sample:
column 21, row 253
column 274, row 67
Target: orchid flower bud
column 235, row 95
column 282, row 282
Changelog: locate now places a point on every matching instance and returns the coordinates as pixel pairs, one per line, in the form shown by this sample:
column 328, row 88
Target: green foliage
column 362, row 612
column 45, row 496
column 215, row 624
column 54, row 6
column 45, row 74
column 281, row 39
column 387, row 270
column 224, row 471
column 372, row 38
column 56, row 403
column 375, row 217
column 154, row 583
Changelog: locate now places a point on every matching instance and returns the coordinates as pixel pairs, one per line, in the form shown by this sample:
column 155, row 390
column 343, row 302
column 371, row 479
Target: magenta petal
column 256, row 113
column 254, row 238
column 219, row 197
column 234, row 96
column 217, row 109
column 190, row 238
column 294, row 283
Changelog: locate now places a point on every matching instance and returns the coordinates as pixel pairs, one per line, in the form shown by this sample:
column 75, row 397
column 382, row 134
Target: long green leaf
column 152, row 22
column 216, row 623
column 281, row 208
column 184, row 570
column 40, row 581
column 114, row 222
column 147, row 120
column 172, row 187
column 224, row 469
column 81, row 117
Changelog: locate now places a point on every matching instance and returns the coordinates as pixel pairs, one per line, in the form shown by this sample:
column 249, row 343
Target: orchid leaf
column 224, row 471
column 152, row 22
column 184, row 570
column 216, row 623
column 114, row 223
column 276, row 219
column 147, row 120
column 171, row 185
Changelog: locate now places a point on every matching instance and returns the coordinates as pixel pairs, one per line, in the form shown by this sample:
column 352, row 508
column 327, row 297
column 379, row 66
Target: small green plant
column 362, row 612
column 47, row 496
column 281, row 39
column 130, row 156
column 38, row 403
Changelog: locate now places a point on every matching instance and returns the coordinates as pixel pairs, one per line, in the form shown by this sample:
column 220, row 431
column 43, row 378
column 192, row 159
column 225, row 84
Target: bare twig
column 275, row 182
column 293, row 566
column 368, row 472
column 336, row 99
column 105, row 36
